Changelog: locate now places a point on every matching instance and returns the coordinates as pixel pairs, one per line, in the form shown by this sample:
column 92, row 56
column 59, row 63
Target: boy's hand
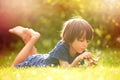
column 86, row 55
column 92, row 61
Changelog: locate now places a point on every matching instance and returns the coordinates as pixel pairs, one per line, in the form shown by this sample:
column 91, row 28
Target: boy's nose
column 85, row 43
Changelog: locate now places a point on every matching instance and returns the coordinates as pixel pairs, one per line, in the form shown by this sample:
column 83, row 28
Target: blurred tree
column 48, row 16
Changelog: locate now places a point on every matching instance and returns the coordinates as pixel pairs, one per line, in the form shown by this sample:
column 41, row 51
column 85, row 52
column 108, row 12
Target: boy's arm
column 85, row 55
column 66, row 64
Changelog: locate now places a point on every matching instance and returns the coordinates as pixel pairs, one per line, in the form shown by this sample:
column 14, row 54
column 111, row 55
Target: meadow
column 47, row 17
column 49, row 73
column 108, row 68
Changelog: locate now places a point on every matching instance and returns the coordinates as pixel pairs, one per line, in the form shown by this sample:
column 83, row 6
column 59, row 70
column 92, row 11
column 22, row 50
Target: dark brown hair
column 75, row 28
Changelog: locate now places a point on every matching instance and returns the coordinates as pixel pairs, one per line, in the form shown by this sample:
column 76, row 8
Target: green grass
column 108, row 68
column 49, row 73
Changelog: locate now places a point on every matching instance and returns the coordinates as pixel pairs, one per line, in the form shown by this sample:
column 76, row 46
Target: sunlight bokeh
column 47, row 17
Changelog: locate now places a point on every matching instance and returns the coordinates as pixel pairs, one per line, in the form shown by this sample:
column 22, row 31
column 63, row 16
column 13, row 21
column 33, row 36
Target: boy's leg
column 29, row 41
column 33, row 50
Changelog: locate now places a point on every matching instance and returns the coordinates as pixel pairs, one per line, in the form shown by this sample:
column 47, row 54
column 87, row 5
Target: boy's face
column 79, row 45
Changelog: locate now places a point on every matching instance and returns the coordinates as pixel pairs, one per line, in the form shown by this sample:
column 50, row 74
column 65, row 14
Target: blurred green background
column 48, row 16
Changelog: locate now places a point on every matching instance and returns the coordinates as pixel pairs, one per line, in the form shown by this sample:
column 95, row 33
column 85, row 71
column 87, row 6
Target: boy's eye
column 81, row 40
column 88, row 41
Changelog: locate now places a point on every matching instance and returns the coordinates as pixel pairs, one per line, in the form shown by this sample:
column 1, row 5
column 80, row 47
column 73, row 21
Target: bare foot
column 22, row 32
column 34, row 35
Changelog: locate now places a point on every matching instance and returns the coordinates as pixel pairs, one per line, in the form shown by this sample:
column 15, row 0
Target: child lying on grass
column 71, row 49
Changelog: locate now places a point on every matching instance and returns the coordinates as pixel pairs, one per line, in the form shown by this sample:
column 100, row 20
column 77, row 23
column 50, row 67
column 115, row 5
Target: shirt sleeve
column 61, row 54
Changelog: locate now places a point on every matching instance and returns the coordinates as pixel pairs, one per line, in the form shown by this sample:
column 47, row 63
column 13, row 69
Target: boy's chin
column 80, row 52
